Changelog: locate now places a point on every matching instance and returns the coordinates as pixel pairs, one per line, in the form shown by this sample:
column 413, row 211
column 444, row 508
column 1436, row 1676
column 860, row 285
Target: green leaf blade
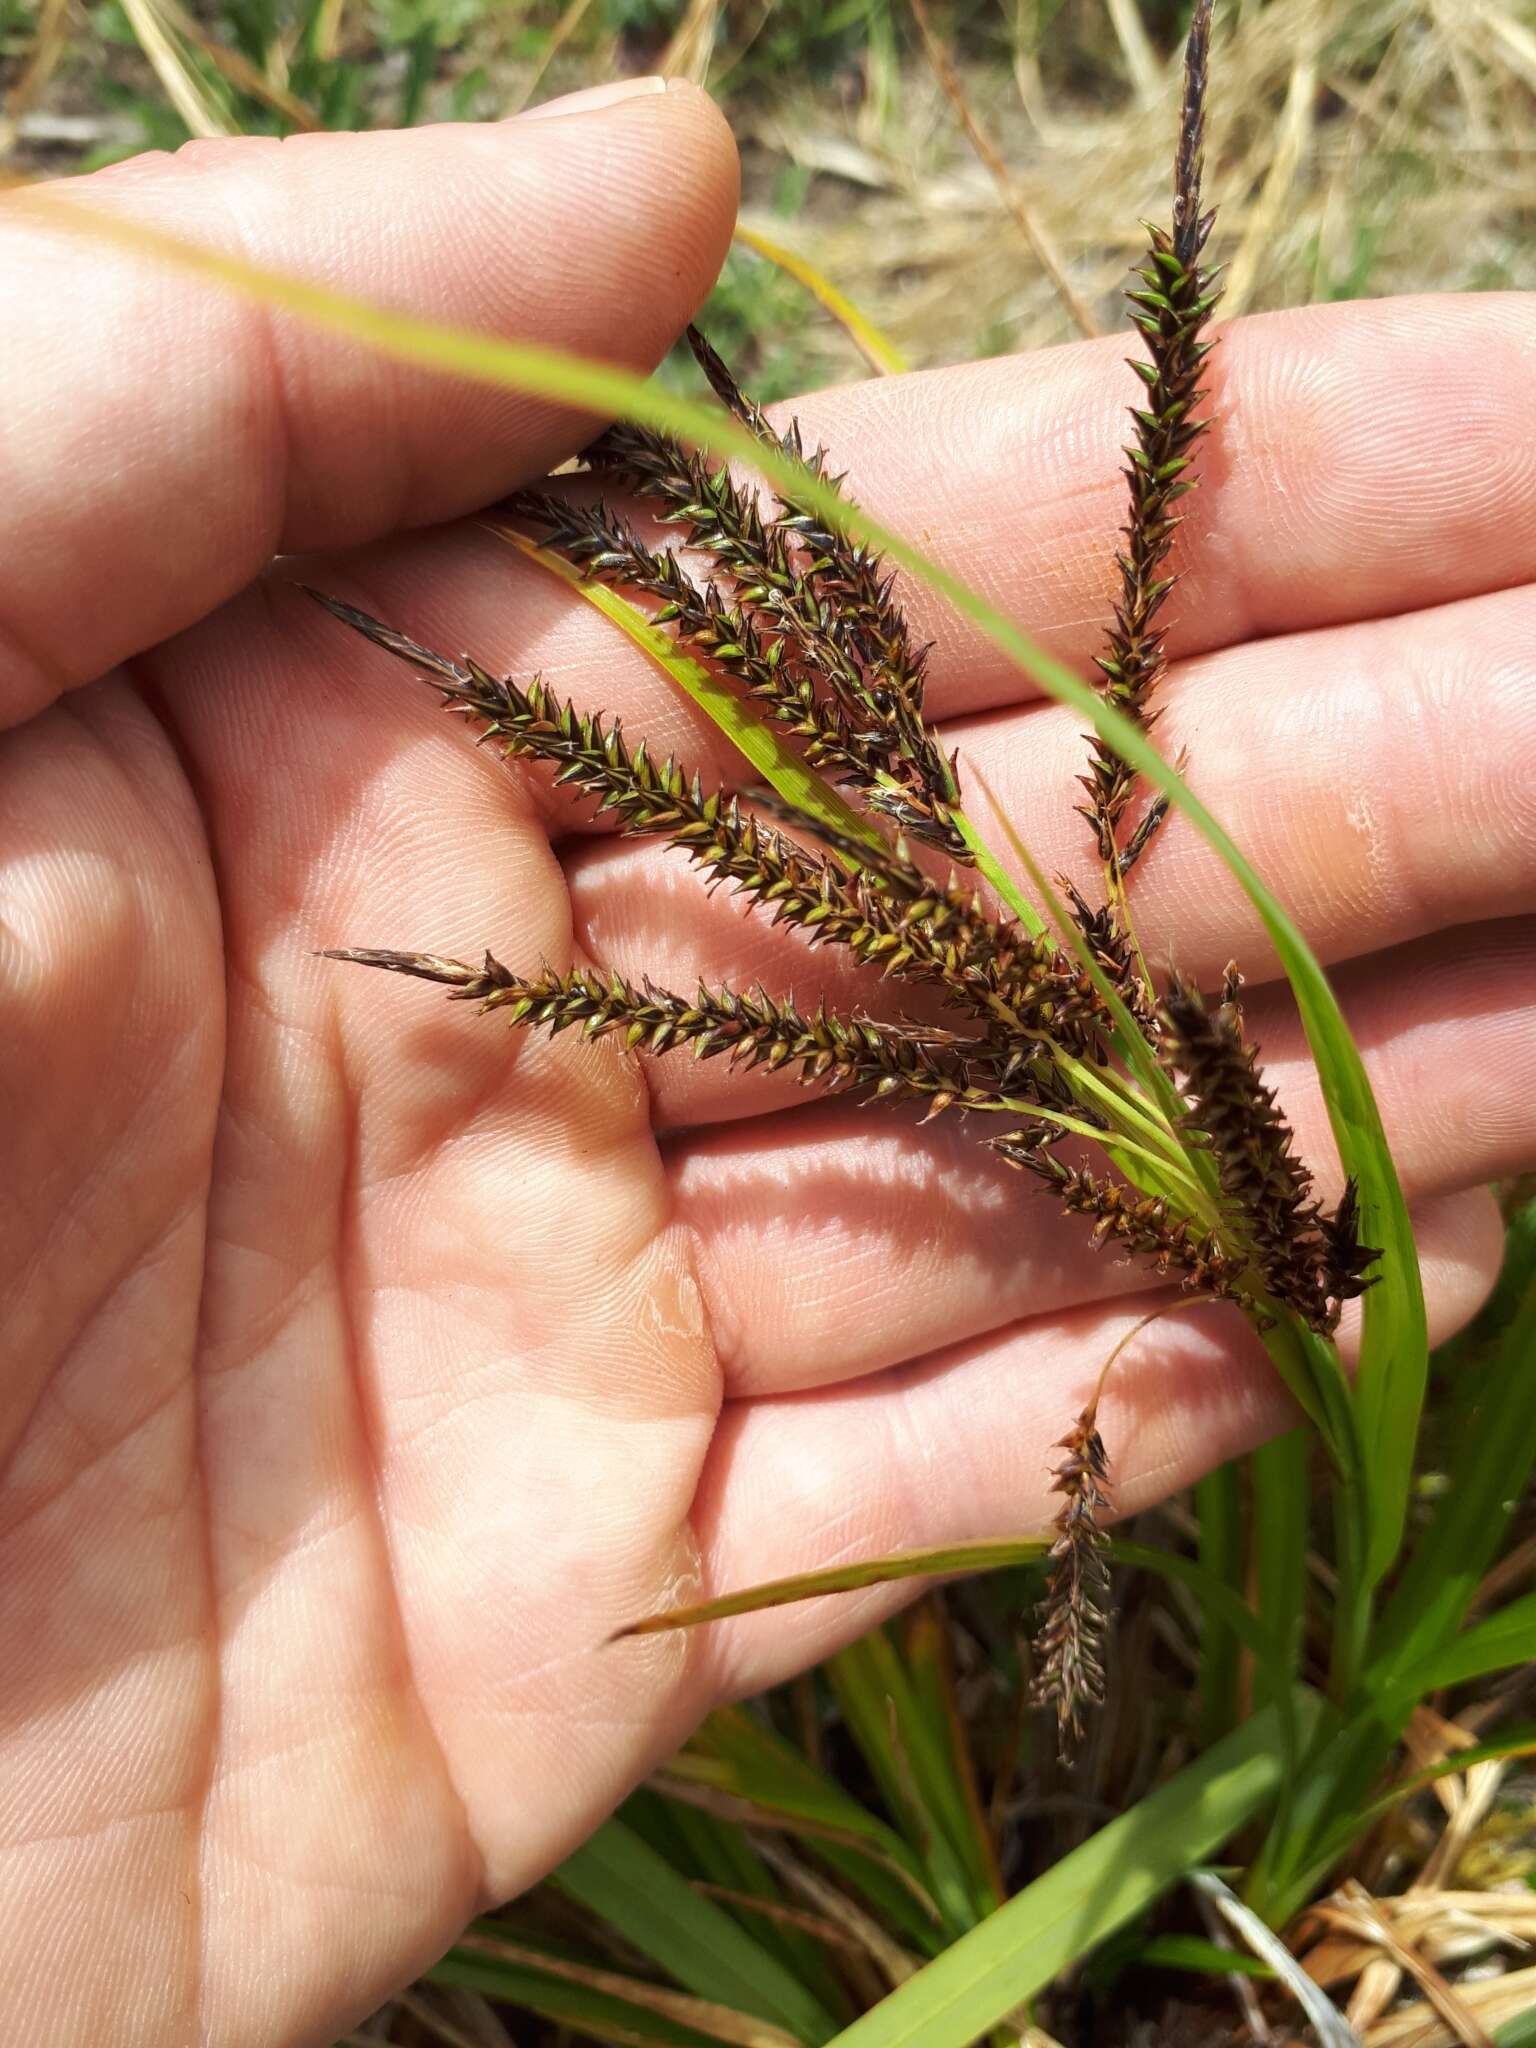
column 758, row 741
column 1116, row 1874
column 619, row 1877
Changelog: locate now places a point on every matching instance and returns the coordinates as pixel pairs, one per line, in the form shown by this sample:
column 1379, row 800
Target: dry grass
column 1360, row 147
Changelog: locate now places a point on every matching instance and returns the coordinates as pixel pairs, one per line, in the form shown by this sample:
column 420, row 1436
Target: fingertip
column 671, row 149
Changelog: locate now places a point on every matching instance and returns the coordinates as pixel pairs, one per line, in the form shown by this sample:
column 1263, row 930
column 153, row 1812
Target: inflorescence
column 804, row 620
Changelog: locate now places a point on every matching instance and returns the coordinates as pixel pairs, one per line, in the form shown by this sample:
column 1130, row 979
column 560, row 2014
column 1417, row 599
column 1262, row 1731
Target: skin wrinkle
column 95, row 1307
column 19, row 658
column 97, row 1454
column 204, row 1776
column 120, row 1667
column 109, row 1825
column 349, row 1262
column 273, row 449
column 246, row 1585
column 1391, row 851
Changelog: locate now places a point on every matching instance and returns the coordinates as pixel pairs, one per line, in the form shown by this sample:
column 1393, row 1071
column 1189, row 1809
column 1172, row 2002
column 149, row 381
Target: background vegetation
column 811, row 1852
column 1363, row 146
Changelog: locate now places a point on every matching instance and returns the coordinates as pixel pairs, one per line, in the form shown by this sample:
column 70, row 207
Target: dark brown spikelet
column 1304, row 1259
column 604, row 546
column 1069, row 1670
column 1170, row 305
column 1108, row 940
column 1121, row 1215
column 1346, row 1260
column 1022, row 988
column 888, row 1060
column 834, row 596
column 892, row 869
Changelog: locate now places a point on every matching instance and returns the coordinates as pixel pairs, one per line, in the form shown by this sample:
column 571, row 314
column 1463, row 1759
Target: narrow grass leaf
column 1193, row 1952
column 1219, row 1507
column 738, row 1755
column 1220, row 1600
column 1494, row 1457
column 948, row 1560
column 720, row 1853
column 1280, row 1534
column 1096, row 1889
column 760, row 1765
column 1130, row 1042
column 1504, row 1640
column 877, row 349
column 492, row 1943
column 927, row 1645
column 1520, row 2032
column 989, row 866
column 768, row 752
column 911, row 1765
column 1343, row 1834
column 184, row 86
column 640, row 1895
column 585, row 2009
column 1333, row 1778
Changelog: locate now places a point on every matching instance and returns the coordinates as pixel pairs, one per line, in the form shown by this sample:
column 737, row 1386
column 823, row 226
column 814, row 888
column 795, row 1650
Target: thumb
column 165, row 438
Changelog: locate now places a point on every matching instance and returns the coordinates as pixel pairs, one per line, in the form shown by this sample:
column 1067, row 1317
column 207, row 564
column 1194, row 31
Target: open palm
column 365, row 1366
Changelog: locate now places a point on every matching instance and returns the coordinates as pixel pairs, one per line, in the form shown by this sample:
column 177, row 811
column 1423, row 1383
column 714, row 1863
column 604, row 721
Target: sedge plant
column 1131, row 1098
column 1139, row 1107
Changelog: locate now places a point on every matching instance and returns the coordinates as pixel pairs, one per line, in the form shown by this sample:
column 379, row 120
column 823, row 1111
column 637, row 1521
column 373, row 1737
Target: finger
column 839, row 1241
column 1322, row 499
column 957, row 1447
column 1382, row 778
column 149, row 479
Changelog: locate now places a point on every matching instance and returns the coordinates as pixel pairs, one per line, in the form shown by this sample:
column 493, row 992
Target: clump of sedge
column 804, row 620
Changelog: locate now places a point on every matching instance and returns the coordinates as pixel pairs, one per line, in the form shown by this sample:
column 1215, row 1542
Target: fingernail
column 591, row 97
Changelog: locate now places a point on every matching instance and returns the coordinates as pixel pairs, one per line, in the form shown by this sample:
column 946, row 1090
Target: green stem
column 991, row 867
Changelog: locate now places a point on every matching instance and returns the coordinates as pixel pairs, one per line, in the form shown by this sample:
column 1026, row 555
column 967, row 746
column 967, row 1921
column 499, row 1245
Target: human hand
column 368, row 1364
